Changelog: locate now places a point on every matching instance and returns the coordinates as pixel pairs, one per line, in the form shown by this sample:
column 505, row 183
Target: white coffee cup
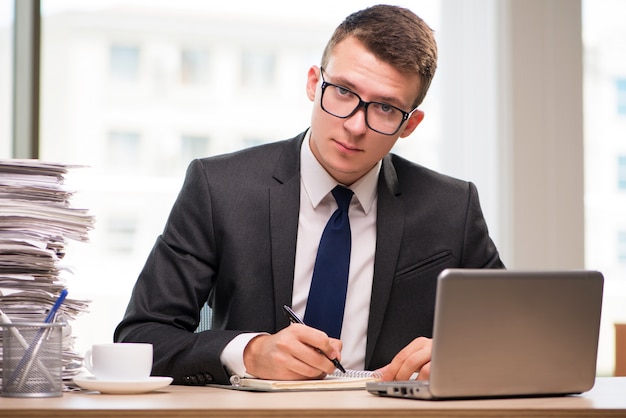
column 119, row 361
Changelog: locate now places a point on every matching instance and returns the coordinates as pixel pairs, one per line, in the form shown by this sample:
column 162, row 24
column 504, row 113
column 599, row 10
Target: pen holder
column 32, row 359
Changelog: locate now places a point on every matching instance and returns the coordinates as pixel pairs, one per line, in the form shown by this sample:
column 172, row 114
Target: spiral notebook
column 351, row 380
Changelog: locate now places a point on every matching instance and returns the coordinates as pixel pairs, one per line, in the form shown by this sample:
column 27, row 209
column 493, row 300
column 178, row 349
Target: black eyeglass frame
column 362, row 104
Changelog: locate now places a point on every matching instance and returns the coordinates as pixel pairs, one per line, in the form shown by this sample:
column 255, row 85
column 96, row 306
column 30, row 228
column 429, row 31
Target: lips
column 346, row 147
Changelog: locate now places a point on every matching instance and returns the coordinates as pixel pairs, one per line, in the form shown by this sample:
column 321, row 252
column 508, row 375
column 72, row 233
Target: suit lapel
column 390, row 219
column 284, row 208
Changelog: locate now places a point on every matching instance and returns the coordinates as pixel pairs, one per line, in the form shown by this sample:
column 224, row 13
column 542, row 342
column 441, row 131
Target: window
column 620, row 84
column 252, row 141
column 257, row 69
column 605, row 160
column 138, row 142
column 194, row 66
column 621, row 172
column 121, row 231
column 81, row 115
column 192, row 147
column 6, row 75
column 124, row 62
column 621, row 247
column 123, row 150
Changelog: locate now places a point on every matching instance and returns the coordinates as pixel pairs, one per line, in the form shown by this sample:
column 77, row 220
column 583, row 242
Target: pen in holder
column 32, row 369
column 28, row 368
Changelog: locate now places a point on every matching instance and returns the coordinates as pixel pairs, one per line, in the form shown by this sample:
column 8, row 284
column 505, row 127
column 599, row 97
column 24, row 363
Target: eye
column 344, row 92
column 384, row 108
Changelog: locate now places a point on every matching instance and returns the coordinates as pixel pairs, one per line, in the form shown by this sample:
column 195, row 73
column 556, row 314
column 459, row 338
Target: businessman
column 248, row 232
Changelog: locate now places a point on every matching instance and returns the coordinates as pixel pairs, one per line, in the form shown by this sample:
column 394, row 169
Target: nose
column 356, row 123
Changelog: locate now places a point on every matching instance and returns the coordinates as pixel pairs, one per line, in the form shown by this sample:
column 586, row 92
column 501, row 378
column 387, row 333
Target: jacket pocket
column 426, row 264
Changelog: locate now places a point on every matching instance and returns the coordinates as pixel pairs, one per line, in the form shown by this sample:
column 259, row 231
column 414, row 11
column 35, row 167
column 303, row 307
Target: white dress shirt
column 316, row 206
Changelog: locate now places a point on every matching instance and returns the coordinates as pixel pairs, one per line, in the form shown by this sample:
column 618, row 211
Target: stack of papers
column 36, row 223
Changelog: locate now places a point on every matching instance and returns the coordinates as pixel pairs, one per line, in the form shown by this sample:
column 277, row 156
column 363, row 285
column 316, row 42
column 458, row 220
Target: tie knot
column 343, row 196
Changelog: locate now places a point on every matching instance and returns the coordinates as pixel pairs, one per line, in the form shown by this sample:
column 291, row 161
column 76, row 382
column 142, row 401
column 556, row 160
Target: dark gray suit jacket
column 231, row 239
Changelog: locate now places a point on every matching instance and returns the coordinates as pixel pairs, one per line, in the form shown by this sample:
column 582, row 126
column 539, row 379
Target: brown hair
column 394, row 35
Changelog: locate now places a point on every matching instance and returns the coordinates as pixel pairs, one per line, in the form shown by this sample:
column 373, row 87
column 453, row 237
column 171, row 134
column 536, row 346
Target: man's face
column 347, row 148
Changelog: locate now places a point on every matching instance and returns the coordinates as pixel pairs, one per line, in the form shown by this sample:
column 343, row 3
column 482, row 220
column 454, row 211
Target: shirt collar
column 318, row 183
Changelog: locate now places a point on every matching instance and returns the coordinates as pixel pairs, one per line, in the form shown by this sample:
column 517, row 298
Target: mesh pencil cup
column 32, row 359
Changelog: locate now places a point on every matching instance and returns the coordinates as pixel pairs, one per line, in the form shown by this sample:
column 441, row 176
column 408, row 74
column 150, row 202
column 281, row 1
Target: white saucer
column 125, row 387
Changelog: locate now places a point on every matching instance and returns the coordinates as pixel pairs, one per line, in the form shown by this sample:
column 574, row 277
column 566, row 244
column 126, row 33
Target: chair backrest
column 206, row 319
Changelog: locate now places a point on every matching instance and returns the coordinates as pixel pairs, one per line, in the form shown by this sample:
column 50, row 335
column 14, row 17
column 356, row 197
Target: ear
column 415, row 119
column 313, row 77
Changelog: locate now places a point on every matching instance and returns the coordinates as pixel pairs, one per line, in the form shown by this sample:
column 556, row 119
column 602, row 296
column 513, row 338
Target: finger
column 284, row 356
column 409, row 360
column 424, row 372
column 312, row 362
column 337, row 346
column 315, row 350
column 413, row 363
column 328, row 348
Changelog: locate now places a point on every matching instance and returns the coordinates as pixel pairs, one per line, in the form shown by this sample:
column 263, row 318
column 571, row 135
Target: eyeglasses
column 343, row 103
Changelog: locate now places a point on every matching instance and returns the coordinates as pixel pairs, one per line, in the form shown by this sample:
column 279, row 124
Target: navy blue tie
column 327, row 296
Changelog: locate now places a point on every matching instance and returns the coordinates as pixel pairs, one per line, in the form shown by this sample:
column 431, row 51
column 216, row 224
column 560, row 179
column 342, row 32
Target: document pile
column 36, row 222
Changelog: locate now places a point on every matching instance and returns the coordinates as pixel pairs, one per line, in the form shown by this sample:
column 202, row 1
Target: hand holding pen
column 293, row 318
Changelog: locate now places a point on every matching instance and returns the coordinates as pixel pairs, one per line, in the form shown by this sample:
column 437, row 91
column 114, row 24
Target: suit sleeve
column 175, row 282
column 479, row 251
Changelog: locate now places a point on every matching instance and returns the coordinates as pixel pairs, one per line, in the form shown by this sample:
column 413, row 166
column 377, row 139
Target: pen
column 55, row 307
column 293, row 318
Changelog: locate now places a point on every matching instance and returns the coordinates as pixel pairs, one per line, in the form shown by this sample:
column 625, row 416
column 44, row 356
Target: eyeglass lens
column 342, row 103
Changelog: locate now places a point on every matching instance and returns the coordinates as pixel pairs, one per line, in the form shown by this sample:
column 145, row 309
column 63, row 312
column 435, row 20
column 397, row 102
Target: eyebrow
column 381, row 99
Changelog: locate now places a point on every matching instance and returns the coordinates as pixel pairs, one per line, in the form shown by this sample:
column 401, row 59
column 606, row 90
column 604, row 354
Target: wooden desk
column 606, row 399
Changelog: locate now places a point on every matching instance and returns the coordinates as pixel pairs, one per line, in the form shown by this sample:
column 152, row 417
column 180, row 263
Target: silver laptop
column 507, row 333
